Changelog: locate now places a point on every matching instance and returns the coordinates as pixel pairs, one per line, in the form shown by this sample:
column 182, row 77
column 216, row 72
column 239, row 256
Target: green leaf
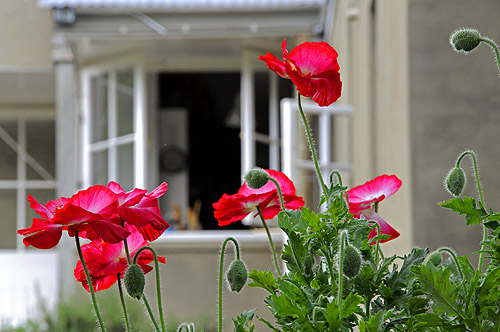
column 263, row 279
column 490, row 289
column 437, row 283
column 374, row 324
column 467, row 207
column 292, row 221
column 294, row 253
column 244, row 323
column 350, row 305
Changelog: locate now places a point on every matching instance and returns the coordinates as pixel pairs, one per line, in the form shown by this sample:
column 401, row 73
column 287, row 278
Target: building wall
column 370, row 37
column 455, row 102
column 25, row 34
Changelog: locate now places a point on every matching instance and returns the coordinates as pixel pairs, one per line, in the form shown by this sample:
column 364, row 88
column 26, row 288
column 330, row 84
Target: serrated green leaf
column 374, row 324
column 294, row 252
column 490, row 289
column 263, row 279
column 350, row 305
column 244, row 323
column 437, row 283
column 292, row 221
column 466, row 206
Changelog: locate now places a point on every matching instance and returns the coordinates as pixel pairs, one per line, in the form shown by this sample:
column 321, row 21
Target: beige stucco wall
column 455, row 103
column 372, row 45
column 417, row 106
column 25, row 34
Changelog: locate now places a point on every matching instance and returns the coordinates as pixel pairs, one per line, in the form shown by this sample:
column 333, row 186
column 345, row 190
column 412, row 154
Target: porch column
column 66, row 151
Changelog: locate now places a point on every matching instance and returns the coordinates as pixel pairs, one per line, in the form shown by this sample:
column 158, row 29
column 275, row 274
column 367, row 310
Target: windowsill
column 210, row 239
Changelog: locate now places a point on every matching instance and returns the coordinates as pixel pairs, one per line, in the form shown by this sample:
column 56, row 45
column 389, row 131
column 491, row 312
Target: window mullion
column 112, row 127
column 21, row 178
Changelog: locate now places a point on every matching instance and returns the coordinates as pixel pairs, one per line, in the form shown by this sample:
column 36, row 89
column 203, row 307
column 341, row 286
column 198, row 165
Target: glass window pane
column 125, row 101
column 8, row 157
column 100, row 167
column 99, row 107
column 42, row 196
column 126, row 166
column 8, row 225
column 40, row 144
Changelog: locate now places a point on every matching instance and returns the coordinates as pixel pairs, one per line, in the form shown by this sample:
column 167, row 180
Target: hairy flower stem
column 341, row 272
column 455, row 260
column 150, row 312
column 221, row 271
column 158, row 285
column 494, row 47
column 122, row 300
column 311, row 145
column 270, row 241
column 480, row 191
column 144, row 299
column 89, row 281
column 280, row 194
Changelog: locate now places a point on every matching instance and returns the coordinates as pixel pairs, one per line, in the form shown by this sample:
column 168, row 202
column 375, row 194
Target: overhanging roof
column 184, row 4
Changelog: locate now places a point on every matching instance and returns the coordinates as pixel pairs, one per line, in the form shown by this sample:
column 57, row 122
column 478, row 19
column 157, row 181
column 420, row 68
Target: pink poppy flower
column 232, row 208
column 92, row 212
column 105, row 260
column 363, row 197
column 312, row 67
column 140, row 208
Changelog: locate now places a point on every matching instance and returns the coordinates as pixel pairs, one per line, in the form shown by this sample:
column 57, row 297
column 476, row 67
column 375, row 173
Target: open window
column 114, row 125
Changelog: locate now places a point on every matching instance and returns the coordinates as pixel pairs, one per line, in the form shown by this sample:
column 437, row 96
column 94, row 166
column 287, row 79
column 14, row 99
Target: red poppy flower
column 361, row 199
column 312, row 67
column 91, row 212
column 105, row 260
column 231, row 208
column 140, row 208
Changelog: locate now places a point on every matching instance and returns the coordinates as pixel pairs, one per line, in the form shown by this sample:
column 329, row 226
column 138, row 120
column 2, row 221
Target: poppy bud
column 434, row 258
column 465, row 40
column 455, row 181
column 134, row 281
column 256, row 178
column 237, row 275
column 352, row 261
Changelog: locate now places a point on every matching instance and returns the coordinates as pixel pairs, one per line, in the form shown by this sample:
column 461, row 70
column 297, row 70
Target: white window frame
column 21, row 184
column 249, row 136
column 137, row 137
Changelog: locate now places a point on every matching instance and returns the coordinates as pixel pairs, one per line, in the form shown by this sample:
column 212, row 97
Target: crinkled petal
column 385, row 228
column 98, row 200
column 275, row 64
column 109, row 232
column 374, row 190
column 42, row 234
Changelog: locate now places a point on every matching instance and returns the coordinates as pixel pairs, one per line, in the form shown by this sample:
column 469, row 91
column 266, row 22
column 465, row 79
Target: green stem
column 280, row 194
column 122, row 300
column 329, row 263
column 221, row 271
column 158, row 285
column 480, row 191
column 455, row 260
column 367, row 306
column 495, row 48
column 377, row 247
column 89, row 281
column 341, row 271
column 150, row 312
column 270, row 240
column 144, row 299
column 339, row 177
column 476, row 172
column 311, row 145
